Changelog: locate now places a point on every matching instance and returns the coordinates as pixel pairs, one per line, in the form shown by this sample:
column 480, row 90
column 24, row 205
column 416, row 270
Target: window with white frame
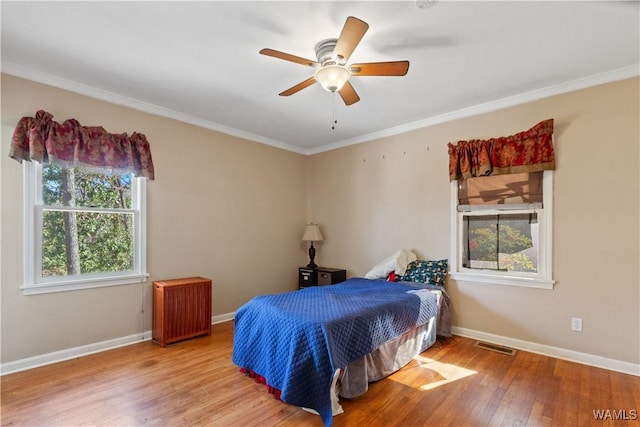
column 501, row 229
column 83, row 229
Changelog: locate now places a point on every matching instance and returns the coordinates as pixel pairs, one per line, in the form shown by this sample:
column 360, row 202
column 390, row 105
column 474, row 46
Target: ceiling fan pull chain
column 334, row 116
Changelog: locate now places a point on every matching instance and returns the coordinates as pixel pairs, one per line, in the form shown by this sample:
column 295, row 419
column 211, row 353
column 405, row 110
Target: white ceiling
column 199, row 62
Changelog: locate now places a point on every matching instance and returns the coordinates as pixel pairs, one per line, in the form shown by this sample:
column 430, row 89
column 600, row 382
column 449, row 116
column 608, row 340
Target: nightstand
column 320, row 276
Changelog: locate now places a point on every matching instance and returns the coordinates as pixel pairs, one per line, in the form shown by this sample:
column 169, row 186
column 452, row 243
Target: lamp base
column 312, row 255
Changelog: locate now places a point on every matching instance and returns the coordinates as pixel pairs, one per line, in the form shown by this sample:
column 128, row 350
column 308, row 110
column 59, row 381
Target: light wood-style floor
column 195, row 383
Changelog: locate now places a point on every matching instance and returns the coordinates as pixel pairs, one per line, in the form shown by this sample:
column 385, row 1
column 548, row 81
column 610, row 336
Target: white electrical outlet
column 576, row 324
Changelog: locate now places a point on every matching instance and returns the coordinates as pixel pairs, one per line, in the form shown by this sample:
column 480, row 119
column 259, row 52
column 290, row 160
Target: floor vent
column 495, row 347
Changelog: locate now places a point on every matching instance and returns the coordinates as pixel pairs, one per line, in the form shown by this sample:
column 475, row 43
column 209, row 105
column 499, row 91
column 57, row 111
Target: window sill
column 84, row 283
column 502, row 280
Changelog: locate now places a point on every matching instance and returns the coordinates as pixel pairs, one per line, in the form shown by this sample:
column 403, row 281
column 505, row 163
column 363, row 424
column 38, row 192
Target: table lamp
column 312, row 234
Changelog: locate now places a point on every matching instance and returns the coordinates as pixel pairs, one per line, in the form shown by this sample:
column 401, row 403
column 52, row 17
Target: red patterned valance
column 41, row 139
column 528, row 151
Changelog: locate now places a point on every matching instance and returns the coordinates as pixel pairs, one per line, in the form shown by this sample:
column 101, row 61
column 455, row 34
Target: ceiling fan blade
column 348, row 94
column 289, row 57
column 298, row 87
column 395, row 68
column 351, row 34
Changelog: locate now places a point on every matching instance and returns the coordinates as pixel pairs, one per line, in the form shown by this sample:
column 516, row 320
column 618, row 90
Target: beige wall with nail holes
column 234, row 210
column 394, row 193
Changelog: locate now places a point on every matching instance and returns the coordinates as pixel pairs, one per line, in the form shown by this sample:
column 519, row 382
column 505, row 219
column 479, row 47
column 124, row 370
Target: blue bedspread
column 297, row 340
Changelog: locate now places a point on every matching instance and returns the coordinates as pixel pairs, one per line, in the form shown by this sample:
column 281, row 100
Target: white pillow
column 405, row 258
column 397, row 262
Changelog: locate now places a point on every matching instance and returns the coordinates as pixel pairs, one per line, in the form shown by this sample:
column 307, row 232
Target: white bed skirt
column 353, row 381
column 384, row 361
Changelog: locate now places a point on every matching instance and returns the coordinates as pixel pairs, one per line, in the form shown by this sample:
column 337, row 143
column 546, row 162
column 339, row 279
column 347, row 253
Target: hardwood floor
column 195, row 383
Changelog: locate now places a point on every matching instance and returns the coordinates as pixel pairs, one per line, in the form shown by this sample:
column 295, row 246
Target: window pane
column 481, row 249
column 86, row 242
column 501, row 242
column 517, row 251
column 77, row 187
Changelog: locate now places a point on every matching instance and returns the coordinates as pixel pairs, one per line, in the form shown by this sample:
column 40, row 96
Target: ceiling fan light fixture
column 332, row 77
column 332, row 71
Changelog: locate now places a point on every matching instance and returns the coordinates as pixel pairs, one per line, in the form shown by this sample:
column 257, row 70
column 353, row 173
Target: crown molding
column 499, row 104
column 114, row 98
column 135, row 104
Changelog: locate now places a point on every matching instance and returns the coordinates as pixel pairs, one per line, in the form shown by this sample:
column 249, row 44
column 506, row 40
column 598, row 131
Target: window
column 501, row 229
column 83, row 229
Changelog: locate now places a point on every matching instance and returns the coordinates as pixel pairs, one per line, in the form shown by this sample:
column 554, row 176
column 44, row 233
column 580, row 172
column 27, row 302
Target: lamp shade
column 312, row 233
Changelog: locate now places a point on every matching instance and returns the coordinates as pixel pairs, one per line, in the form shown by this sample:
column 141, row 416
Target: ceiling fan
column 332, row 71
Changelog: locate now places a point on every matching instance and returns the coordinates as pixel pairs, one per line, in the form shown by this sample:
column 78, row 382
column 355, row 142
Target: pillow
column 396, row 262
column 432, row 272
column 405, row 257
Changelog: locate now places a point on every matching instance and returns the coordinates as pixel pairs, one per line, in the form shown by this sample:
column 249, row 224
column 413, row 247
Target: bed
column 309, row 346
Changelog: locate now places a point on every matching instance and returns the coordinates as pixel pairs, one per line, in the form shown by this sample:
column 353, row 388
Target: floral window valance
column 43, row 140
column 528, row 151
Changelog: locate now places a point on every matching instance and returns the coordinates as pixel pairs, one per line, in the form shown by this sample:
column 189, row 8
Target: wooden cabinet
column 320, row 276
column 181, row 309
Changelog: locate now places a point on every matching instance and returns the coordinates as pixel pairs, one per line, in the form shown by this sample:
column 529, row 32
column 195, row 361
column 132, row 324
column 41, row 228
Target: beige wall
column 233, row 210
column 220, row 207
column 374, row 198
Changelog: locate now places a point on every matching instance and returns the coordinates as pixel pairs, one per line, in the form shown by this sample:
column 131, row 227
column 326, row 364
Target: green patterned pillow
column 432, row 272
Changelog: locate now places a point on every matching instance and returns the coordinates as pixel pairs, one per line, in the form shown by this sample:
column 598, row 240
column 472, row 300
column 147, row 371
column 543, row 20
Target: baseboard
column 84, row 350
column 557, row 352
column 220, row 318
column 71, row 353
